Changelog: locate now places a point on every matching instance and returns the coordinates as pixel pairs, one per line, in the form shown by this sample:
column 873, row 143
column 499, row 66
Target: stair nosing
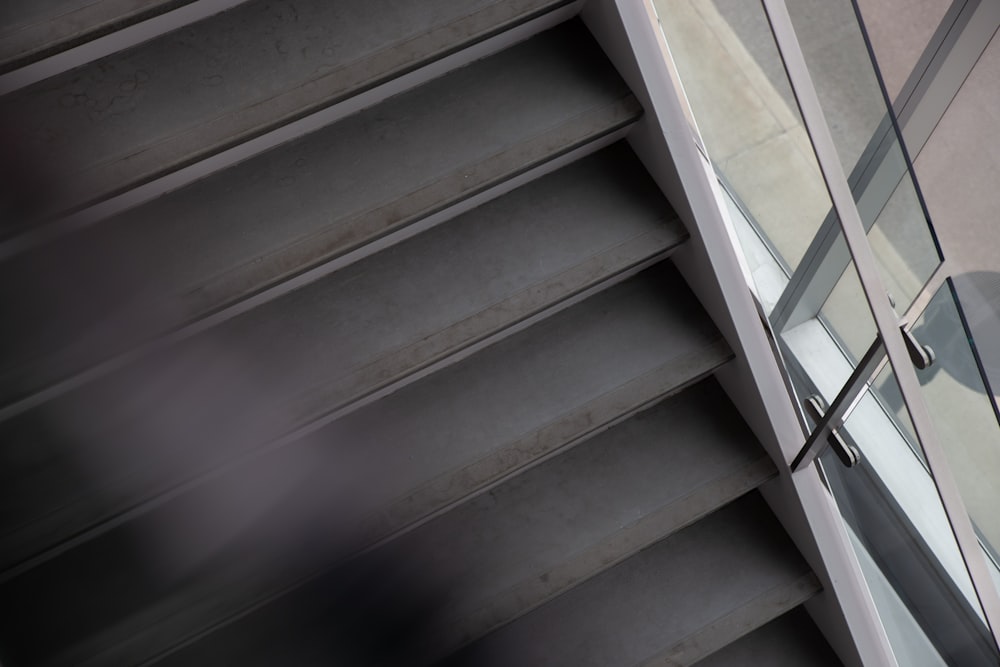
column 23, row 239
column 735, row 569
column 697, row 503
column 656, row 525
column 743, row 620
column 27, row 51
column 596, row 124
column 323, row 101
column 118, row 174
column 708, row 358
column 442, row 355
column 672, row 377
column 359, row 397
column 201, row 323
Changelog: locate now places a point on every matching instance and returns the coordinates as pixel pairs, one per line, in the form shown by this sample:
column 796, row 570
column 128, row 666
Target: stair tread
column 523, row 398
column 564, row 521
column 790, row 640
column 378, row 321
column 428, row 445
column 487, row 435
column 386, row 316
column 216, row 241
column 661, row 596
column 736, row 558
column 126, row 118
column 536, row 535
column 32, row 29
column 497, row 263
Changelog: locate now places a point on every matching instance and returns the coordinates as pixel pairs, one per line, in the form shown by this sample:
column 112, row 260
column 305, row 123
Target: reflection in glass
column 845, row 81
column 964, row 412
column 868, row 144
column 905, row 254
column 848, row 315
column 891, row 503
column 735, row 82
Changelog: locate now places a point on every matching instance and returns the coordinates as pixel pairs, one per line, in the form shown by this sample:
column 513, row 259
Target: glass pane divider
column 827, row 257
column 885, row 318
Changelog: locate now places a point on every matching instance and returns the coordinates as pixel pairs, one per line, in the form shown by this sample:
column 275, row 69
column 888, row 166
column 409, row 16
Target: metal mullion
column 885, row 319
column 874, row 178
column 964, row 33
column 952, row 52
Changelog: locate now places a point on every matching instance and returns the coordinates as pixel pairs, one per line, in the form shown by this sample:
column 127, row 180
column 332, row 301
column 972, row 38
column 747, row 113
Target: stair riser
column 31, row 545
column 32, row 41
column 347, row 89
column 76, row 380
column 612, row 551
column 405, row 366
column 440, row 495
column 186, row 616
column 341, row 394
column 738, row 623
column 463, row 321
column 698, row 589
column 369, row 226
column 214, row 318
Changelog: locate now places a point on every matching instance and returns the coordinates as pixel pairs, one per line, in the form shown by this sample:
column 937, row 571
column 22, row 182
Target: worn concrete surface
column 645, row 608
column 31, row 29
column 238, row 231
column 791, row 640
column 410, row 455
column 124, row 119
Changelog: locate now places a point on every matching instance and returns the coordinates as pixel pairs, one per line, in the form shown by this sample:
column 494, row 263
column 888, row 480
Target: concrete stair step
column 791, row 640
column 207, row 246
column 671, row 604
column 149, row 110
column 381, row 361
column 551, row 528
column 34, row 29
column 392, row 317
column 505, row 552
column 429, row 446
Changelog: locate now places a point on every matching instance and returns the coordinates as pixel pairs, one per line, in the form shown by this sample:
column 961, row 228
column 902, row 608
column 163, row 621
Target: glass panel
column 825, row 350
column 960, row 172
column 898, row 44
column 963, row 409
column 767, row 277
column 907, row 256
column 735, row 83
column 905, row 542
column 847, row 313
column 855, row 108
column 842, row 73
column 888, row 394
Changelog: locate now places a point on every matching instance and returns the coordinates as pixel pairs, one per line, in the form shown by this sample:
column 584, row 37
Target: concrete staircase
column 346, row 333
